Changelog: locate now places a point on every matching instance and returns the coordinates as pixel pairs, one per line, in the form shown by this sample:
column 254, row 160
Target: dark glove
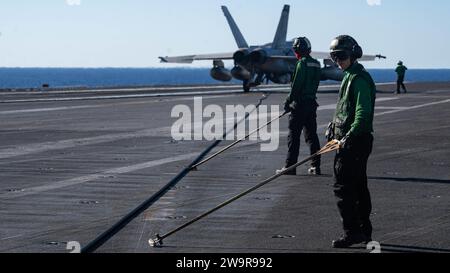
column 346, row 142
column 287, row 106
column 329, row 134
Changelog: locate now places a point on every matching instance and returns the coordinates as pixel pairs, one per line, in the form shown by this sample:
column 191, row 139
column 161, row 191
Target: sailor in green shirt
column 401, row 71
column 353, row 126
column 302, row 105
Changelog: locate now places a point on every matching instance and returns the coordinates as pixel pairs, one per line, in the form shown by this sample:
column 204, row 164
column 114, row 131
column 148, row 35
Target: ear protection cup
column 357, row 51
column 302, row 45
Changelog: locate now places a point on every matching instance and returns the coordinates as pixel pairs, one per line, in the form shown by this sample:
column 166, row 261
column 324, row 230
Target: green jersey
column 356, row 104
column 305, row 80
column 401, row 70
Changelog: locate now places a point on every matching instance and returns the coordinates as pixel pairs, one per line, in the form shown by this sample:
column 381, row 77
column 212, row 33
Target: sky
column 133, row 33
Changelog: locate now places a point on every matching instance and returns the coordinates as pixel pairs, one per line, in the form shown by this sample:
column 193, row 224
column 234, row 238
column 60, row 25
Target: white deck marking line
column 49, row 109
column 103, row 174
column 121, row 96
column 71, row 143
column 413, row 107
column 36, row 110
column 91, row 177
column 391, row 107
column 153, row 89
column 170, row 88
column 173, row 88
column 189, row 93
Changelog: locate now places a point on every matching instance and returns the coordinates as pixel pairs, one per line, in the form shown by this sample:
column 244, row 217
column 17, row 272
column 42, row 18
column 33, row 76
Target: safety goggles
column 339, row 55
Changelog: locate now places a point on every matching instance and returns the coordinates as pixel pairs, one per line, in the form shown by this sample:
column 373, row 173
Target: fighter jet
column 253, row 65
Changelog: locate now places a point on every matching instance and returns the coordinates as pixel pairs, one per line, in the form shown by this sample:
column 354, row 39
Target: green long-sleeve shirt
column 364, row 107
column 401, row 70
column 355, row 107
column 305, row 80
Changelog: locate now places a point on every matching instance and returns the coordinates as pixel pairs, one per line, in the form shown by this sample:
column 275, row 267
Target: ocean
column 13, row 78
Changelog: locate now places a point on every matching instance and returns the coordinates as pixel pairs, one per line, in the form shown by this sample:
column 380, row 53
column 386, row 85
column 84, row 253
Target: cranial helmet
column 346, row 43
column 302, row 45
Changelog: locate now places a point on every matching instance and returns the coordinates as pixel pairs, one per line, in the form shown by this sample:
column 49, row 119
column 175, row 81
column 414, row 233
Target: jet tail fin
column 280, row 36
column 240, row 40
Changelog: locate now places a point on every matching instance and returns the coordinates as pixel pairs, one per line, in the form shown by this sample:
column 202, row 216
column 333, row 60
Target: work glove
column 287, row 106
column 329, row 133
column 346, row 141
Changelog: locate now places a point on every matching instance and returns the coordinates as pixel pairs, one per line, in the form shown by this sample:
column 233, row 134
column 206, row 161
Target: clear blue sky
column 133, row 33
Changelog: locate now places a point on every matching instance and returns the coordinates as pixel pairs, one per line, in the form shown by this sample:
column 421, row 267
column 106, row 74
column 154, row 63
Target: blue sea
column 11, row 78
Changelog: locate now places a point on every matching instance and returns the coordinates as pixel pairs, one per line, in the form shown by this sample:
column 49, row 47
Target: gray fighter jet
column 253, row 65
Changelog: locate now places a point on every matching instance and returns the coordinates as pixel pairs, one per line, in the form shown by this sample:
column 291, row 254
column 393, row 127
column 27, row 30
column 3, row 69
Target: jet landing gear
column 248, row 84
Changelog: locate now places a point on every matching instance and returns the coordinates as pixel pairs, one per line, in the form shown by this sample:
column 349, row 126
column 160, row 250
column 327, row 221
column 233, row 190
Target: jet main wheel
column 246, row 86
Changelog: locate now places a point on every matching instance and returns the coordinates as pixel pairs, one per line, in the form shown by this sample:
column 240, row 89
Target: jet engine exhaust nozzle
column 258, row 56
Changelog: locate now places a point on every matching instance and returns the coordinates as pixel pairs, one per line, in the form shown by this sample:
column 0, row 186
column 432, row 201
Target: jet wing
column 320, row 55
column 326, row 56
column 371, row 57
column 190, row 58
column 314, row 54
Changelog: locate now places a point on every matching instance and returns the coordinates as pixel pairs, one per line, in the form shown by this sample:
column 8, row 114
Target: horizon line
column 165, row 68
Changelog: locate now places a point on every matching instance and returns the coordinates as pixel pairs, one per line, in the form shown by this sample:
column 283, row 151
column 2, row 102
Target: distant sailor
column 352, row 124
column 401, row 71
column 302, row 105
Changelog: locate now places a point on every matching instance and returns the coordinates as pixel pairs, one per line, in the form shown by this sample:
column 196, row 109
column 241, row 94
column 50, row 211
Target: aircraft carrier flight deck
column 73, row 162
